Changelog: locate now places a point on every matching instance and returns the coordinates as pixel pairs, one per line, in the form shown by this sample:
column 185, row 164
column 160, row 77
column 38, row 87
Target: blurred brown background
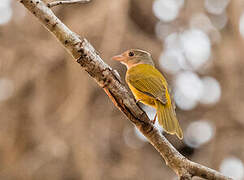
column 56, row 123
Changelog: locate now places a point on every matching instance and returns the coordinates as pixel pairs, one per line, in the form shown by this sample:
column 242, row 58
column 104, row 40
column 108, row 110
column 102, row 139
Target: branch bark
column 108, row 79
column 56, row 3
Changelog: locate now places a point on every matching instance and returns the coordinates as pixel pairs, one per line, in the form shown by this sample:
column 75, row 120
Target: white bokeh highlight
column 241, row 25
column 201, row 21
column 199, row 133
column 179, row 3
column 173, row 52
column 4, row 3
column 167, row 10
column 216, row 6
column 188, row 90
column 171, row 61
column 211, row 91
column 163, row 29
column 232, row 167
column 183, row 102
column 219, row 21
column 172, row 41
column 5, row 11
column 196, row 46
column 189, row 85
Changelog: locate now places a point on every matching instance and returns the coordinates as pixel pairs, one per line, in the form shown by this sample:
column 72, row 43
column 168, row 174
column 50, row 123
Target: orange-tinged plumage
column 149, row 86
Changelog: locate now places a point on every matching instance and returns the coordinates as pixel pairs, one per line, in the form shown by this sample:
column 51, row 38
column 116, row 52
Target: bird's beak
column 118, row 58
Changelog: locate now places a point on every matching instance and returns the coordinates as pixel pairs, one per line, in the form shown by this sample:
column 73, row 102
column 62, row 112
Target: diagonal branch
column 56, row 3
column 84, row 54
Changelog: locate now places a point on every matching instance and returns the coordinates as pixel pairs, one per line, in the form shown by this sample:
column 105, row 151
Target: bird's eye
column 131, row 54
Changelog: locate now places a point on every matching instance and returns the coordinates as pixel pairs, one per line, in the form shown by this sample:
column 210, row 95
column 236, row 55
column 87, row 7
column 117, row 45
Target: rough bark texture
column 83, row 52
column 56, row 3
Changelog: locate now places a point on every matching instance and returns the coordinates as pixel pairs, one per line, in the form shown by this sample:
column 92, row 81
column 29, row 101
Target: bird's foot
column 137, row 101
column 154, row 120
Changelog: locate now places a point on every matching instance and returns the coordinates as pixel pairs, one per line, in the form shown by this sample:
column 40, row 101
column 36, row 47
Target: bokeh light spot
column 189, row 84
column 183, row 102
column 211, row 91
column 5, row 14
column 163, row 29
column 241, row 25
column 5, row 11
column 216, row 6
column 219, row 21
column 5, row 3
column 232, row 167
column 196, row 46
column 166, row 10
column 200, row 21
column 172, row 41
column 171, row 60
column 198, row 133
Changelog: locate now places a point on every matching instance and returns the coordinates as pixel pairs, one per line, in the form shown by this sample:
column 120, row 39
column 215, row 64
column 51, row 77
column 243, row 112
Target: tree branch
column 56, row 3
column 84, row 54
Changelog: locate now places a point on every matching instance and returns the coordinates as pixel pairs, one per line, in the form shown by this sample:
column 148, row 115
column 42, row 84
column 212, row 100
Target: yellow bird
column 149, row 86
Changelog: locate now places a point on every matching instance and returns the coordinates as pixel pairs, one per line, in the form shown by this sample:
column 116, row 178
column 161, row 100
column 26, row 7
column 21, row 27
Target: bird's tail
column 167, row 119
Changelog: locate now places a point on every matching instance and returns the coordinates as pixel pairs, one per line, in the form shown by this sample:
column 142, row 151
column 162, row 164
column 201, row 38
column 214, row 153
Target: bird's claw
column 137, row 101
column 154, row 120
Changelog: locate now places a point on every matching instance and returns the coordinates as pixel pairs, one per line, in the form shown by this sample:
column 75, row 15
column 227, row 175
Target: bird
column 150, row 87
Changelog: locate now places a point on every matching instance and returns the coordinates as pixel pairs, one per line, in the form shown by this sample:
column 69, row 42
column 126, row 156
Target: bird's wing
column 150, row 85
column 172, row 100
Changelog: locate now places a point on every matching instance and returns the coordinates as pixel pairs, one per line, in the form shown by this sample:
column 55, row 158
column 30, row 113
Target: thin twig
column 84, row 53
column 56, row 3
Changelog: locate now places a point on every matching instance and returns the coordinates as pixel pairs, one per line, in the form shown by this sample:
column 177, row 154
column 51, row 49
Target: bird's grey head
column 134, row 57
